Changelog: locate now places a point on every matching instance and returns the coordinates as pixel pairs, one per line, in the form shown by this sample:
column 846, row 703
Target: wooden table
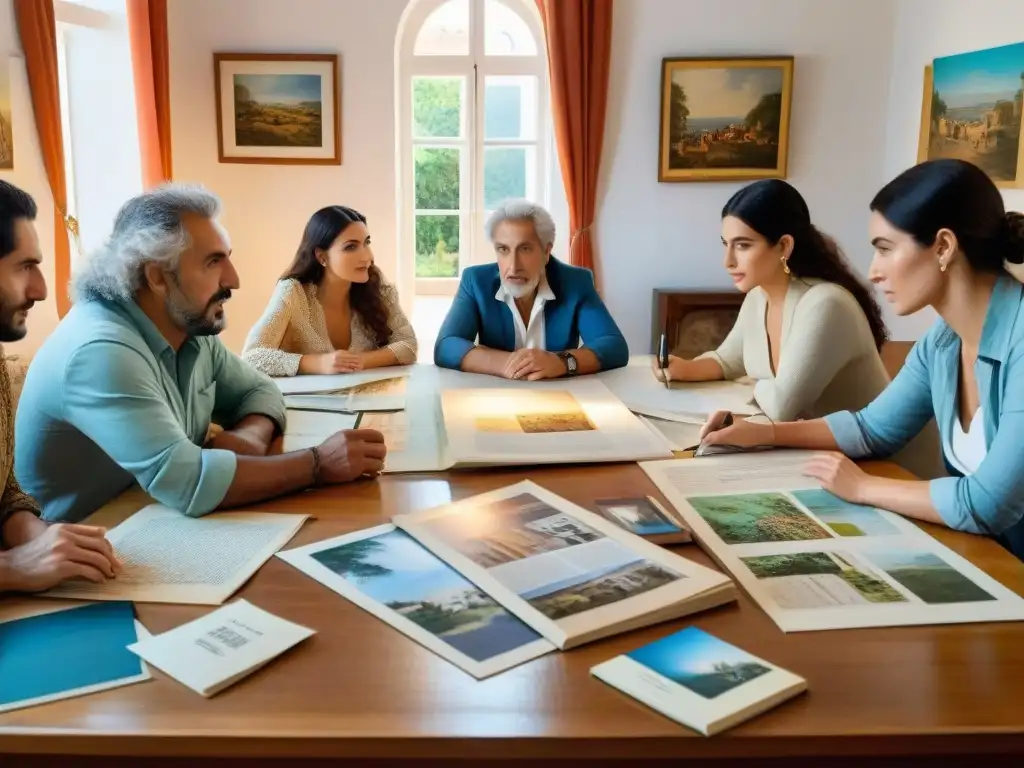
column 361, row 690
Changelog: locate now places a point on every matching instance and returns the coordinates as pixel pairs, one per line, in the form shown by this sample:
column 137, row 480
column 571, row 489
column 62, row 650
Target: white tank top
column 967, row 449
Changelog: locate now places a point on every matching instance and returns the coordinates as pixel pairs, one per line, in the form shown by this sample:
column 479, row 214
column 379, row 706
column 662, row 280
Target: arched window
column 473, row 120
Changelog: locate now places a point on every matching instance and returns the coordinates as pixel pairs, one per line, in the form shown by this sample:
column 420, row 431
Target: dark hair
column 958, row 196
column 773, row 208
column 322, row 229
column 14, row 204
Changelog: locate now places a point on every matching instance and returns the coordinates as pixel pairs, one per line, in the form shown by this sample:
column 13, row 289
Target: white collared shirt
column 529, row 335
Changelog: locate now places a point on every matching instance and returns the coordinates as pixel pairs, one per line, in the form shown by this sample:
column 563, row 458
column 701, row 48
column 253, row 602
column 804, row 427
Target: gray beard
column 521, row 291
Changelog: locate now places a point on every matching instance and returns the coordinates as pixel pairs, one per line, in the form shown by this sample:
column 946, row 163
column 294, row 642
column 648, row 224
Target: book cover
column 700, row 681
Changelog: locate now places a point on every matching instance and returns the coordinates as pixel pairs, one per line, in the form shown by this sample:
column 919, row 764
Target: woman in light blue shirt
column 941, row 237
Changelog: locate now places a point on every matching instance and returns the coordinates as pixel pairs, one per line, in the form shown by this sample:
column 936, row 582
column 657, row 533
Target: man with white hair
column 525, row 316
column 127, row 386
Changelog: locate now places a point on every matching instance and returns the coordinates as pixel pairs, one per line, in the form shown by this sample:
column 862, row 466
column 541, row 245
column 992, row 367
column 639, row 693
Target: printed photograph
column 976, row 109
column 278, row 110
column 928, row 576
column 750, row 518
column 395, row 570
column 638, row 515
column 700, row 662
column 820, row 579
column 844, row 518
column 565, row 584
column 725, row 118
column 393, row 425
column 536, row 413
column 6, row 117
column 498, row 532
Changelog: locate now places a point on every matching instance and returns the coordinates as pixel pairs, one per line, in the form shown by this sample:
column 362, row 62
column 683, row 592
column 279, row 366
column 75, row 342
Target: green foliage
column 873, row 590
column 436, row 107
column 768, row 115
column 350, row 559
column 800, row 564
column 678, row 113
column 504, row 175
column 939, row 584
column 754, row 517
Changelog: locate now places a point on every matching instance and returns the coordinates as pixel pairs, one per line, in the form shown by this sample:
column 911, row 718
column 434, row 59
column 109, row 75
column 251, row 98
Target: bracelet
column 316, row 466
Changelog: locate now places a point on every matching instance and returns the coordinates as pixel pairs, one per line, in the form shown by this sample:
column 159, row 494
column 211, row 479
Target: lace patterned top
column 13, row 498
column 293, row 325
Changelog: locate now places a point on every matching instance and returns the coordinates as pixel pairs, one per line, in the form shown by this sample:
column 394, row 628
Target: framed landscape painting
column 972, row 111
column 6, row 119
column 278, row 108
column 725, row 118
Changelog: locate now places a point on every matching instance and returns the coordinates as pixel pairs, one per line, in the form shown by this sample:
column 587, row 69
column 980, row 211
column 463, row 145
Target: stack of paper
column 171, row 558
column 66, row 653
column 218, row 650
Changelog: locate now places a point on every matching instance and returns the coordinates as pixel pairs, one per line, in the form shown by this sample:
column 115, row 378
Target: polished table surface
column 361, row 689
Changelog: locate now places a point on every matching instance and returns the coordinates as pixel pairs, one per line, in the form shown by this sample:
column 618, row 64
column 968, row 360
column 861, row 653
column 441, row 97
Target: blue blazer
column 576, row 312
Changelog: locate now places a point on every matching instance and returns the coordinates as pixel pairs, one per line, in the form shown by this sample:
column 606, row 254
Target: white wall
column 30, row 175
column 652, row 234
column 925, row 29
column 266, row 206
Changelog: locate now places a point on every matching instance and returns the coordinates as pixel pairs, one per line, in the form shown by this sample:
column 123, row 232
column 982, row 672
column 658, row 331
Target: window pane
column 437, row 246
column 445, row 32
column 510, row 107
column 437, row 107
column 436, row 174
column 505, row 32
column 507, row 173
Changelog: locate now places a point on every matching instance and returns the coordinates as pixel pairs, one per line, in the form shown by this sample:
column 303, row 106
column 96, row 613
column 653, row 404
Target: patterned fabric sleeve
column 13, row 499
column 403, row 338
column 262, row 348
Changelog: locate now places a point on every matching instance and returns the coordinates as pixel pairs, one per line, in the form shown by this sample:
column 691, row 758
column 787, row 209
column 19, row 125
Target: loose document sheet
column 813, row 561
column 171, row 558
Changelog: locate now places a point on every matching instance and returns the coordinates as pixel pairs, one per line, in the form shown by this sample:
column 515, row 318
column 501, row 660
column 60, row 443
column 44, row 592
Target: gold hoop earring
column 785, row 266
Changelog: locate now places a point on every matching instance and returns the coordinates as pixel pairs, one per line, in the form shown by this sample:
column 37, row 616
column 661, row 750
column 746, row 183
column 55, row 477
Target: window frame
column 474, row 68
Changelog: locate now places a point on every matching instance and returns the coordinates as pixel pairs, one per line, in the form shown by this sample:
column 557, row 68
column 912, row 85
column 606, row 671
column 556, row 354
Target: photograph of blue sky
column 281, row 89
column 979, row 77
column 845, row 518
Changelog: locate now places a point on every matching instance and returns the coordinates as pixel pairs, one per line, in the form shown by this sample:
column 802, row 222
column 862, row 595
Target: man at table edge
column 524, row 317
column 33, row 555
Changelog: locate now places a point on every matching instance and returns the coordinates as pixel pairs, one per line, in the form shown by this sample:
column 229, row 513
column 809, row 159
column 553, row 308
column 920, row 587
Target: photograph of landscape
column 538, row 412
column 699, row 662
column 637, row 515
column 278, row 110
column 497, row 532
column 928, row 576
column 395, row 570
column 728, row 115
column 975, row 110
column 819, row 579
column 750, row 518
column 844, row 518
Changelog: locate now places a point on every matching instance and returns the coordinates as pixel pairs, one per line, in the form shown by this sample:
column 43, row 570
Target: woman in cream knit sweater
column 808, row 332
column 331, row 312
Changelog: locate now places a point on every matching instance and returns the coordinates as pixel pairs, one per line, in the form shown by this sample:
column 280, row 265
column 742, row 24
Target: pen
column 726, row 422
column 663, row 358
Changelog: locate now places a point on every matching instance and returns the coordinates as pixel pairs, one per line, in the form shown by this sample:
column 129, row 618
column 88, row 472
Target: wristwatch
column 570, row 362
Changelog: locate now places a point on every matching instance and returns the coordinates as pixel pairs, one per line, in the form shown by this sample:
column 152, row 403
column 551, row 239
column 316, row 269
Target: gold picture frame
column 732, row 125
column 278, row 108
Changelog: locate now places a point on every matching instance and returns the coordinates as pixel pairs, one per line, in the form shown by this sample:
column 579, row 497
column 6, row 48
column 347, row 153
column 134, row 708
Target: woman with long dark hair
column 331, row 311
column 942, row 237
column 809, row 332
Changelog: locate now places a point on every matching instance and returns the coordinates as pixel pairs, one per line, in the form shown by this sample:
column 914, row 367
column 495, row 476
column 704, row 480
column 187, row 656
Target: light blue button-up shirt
column 991, row 501
column 107, row 401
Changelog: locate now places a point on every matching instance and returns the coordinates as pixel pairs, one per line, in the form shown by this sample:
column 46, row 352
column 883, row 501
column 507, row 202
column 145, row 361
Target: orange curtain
column 147, row 31
column 579, row 40
column 37, row 28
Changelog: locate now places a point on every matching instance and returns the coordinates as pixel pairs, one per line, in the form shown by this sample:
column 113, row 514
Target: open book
column 569, row 574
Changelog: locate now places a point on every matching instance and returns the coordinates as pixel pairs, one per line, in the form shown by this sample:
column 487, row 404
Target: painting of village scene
column 555, row 562
column 541, row 412
column 699, row 662
column 751, row 518
column 725, row 118
column 975, row 110
column 393, row 569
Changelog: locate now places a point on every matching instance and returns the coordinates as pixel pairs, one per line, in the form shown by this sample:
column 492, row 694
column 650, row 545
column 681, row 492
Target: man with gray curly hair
column 126, row 388
column 525, row 316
